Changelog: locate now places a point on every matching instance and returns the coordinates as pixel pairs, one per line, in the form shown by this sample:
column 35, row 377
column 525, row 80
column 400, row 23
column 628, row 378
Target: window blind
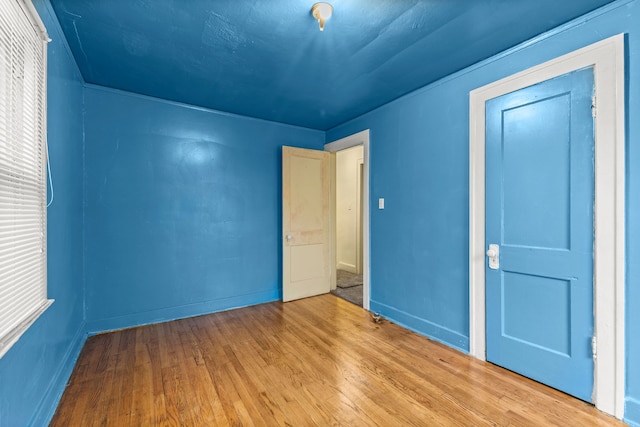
column 23, row 191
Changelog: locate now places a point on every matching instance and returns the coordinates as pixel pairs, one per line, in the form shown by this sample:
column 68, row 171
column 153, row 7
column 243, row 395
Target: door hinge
column 594, row 108
column 594, row 347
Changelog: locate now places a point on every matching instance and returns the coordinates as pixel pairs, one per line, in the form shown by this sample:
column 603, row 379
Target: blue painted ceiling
column 268, row 59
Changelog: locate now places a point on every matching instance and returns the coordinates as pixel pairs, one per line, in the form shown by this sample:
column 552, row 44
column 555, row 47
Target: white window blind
column 23, row 191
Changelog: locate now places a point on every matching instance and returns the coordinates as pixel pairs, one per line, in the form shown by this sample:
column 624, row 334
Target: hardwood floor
column 317, row 361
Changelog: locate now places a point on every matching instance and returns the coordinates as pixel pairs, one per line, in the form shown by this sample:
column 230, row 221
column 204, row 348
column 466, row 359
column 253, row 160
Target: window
column 23, row 190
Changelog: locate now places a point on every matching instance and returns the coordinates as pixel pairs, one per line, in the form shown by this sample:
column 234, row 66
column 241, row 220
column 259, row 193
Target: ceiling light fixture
column 321, row 11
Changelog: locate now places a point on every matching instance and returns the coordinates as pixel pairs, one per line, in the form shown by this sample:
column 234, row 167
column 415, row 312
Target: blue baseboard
column 632, row 412
column 422, row 326
column 179, row 312
column 47, row 407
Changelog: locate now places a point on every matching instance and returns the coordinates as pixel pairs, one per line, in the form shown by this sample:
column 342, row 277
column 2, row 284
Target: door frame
column 360, row 138
column 359, row 214
column 607, row 59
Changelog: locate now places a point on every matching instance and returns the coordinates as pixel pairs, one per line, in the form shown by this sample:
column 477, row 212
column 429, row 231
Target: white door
column 305, row 223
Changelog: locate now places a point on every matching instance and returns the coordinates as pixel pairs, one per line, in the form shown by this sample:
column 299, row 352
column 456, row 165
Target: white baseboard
column 346, row 267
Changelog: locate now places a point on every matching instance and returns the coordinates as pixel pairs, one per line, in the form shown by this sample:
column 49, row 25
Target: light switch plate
column 381, row 203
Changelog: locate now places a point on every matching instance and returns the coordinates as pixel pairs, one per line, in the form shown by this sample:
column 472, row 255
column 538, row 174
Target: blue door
column 539, row 213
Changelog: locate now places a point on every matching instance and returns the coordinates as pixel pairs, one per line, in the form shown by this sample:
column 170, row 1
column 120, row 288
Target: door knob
column 289, row 237
column 494, row 256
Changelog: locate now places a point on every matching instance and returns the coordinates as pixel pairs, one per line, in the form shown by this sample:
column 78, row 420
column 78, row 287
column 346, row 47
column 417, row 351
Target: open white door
column 305, row 223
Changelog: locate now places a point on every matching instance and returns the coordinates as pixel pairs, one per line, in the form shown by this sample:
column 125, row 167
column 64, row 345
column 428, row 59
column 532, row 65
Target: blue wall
column 183, row 208
column 419, row 164
column 34, row 372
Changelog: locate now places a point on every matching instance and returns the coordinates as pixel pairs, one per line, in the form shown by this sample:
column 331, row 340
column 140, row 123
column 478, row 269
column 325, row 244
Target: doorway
column 349, row 166
column 607, row 59
column 355, row 260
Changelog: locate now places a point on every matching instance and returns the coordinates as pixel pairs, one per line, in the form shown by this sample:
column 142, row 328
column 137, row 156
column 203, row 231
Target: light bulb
column 321, row 11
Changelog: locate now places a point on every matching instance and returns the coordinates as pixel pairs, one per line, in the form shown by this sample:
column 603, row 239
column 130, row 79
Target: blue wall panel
column 34, row 372
column 183, row 209
column 419, row 164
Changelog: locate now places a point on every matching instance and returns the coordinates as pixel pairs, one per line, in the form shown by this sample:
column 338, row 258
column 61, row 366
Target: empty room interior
column 413, row 212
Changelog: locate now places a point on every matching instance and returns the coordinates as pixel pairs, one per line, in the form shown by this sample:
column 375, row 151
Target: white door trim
column 607, row 59
column 359, row 213
column 360, row 138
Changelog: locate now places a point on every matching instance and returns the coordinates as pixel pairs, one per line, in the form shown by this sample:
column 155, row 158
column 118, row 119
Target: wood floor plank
column 142, row 408
column 318, row 361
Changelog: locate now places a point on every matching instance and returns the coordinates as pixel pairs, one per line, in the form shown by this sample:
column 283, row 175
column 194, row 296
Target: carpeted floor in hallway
column 349, row 287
